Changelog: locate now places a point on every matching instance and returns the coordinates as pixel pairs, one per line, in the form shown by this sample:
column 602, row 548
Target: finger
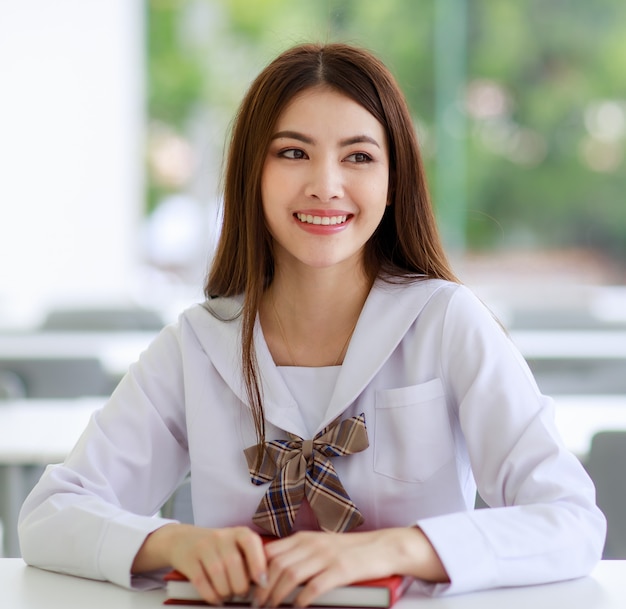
column 316, row 586
column 201, row 583
column 352, row 564
column 236, row 572
column 252, row 548
column 287, row 572
column 299, row 540
column 291, row 561
column 218, row 577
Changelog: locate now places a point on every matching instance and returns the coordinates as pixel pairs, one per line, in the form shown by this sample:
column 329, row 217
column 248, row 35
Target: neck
column 308, row 317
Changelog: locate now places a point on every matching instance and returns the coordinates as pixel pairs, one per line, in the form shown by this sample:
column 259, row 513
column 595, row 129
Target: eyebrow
column 305, row 139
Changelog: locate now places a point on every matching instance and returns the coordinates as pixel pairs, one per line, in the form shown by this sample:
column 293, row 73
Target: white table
column 23, row 587
column 571, row 344
column 35, row 433
column 579, row 417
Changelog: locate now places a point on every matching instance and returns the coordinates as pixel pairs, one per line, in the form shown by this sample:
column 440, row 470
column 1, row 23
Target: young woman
column 338, row 388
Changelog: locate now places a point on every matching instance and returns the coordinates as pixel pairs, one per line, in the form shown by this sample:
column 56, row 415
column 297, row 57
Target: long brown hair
column 405, row 245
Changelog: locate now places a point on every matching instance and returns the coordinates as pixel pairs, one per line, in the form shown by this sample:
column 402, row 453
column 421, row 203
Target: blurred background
column 114, row 116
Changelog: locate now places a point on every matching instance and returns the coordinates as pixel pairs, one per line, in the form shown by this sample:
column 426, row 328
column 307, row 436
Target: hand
column 220, row 563
column 323, row 561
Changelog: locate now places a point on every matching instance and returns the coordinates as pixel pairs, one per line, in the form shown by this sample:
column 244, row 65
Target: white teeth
column 324, row 220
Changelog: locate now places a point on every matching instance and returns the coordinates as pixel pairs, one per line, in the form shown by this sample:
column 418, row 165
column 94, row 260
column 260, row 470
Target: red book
column 383, row 592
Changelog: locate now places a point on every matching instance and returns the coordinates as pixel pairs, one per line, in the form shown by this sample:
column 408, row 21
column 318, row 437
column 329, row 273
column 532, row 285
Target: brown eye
column 359, row 157
column 292, row 153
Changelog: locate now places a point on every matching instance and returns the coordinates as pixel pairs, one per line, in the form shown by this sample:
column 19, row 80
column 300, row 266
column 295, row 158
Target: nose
column 324, row 182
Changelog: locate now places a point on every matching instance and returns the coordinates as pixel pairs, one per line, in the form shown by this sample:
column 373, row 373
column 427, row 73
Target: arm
column 90, row 515
column 543, row 524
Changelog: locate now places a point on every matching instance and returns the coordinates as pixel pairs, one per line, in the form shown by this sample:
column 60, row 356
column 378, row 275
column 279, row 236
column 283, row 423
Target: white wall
column 71, row 150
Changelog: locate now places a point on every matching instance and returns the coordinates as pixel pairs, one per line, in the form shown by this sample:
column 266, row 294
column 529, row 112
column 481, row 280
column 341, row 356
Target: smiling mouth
column 321, row 220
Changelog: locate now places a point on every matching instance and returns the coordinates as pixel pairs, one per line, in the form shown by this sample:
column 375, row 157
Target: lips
column 321, row 220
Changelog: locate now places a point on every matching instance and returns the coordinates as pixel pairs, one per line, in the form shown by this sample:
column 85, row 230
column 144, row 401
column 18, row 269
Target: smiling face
column 325, row 180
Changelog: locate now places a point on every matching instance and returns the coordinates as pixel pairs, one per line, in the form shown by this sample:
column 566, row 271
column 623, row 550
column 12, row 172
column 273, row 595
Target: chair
column 11, row 385
column 114, row 319
column 606, row 464
column 59, row 377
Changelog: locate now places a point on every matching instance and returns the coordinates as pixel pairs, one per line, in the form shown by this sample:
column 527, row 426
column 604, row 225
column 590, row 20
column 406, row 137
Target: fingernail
column 263, row 580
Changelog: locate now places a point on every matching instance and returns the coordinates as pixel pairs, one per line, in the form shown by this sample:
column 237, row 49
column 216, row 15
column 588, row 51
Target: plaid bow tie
column 298, row 467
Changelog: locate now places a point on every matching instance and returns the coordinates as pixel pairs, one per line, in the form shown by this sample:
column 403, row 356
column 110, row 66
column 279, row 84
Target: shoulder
column 396, row 305
column 214, row 311
column 212, row 326
column 413, row 293
column 433, row 301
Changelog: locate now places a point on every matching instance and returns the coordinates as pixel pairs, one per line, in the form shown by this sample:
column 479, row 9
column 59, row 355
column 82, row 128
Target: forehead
column 328, row 109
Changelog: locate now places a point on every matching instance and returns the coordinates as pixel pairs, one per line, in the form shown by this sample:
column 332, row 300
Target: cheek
column 378, row 197
column 275, row 184
column 376, row 184
column 268, row 193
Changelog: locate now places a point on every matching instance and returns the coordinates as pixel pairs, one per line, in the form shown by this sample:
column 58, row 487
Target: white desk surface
column 39, row 432
column 23, row 587
column 571, row 344
column 579, row 417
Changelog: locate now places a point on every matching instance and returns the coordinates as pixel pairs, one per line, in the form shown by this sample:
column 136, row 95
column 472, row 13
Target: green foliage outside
column 543, row 103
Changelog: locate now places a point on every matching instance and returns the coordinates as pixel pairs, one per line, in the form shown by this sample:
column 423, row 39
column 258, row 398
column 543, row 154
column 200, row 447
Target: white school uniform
column 448, row 401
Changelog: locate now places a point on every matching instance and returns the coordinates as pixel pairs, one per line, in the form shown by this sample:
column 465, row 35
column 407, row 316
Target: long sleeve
column 90, row 515
column 449, row 402
column 543, row 524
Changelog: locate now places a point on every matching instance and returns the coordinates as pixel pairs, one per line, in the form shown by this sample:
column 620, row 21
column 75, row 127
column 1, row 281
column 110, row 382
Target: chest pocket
column 413, row 438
